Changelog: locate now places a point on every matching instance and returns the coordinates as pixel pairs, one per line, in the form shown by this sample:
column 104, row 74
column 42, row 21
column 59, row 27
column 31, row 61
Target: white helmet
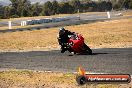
column 62, row 29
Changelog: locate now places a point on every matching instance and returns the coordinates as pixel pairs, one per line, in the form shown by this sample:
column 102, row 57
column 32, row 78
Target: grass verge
column 30, row 79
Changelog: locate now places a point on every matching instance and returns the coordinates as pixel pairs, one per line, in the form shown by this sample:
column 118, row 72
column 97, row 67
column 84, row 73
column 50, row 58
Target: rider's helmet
column 61, row 31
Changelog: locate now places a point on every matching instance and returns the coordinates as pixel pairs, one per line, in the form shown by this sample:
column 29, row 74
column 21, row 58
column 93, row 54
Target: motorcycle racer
column 63, row 38
column 73, row 42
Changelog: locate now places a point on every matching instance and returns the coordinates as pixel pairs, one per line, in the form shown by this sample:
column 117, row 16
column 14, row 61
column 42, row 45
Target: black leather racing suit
column 63, row 39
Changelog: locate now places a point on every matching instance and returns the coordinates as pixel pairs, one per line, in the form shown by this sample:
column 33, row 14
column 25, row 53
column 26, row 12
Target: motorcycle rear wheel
column 87, row 49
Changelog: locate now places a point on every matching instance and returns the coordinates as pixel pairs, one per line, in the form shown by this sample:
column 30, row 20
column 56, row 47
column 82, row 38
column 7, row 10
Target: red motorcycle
column 76, row 44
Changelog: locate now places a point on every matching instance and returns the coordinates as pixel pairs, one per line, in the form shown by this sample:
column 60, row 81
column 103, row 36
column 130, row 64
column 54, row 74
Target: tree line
column 24, row 8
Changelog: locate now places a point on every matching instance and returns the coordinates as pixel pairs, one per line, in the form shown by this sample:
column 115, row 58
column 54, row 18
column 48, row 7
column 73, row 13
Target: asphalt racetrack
column 118, row 60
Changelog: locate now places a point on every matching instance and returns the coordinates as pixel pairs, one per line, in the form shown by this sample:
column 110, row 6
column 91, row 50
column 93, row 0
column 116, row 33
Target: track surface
column 117, row 60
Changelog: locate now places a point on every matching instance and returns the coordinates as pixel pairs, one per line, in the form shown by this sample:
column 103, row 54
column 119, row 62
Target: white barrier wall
column 108, row 14
column 23, row 23
column 9, row 24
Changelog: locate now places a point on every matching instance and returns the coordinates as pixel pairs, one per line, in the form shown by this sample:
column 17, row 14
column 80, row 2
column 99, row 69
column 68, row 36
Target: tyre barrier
column 48, row 20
